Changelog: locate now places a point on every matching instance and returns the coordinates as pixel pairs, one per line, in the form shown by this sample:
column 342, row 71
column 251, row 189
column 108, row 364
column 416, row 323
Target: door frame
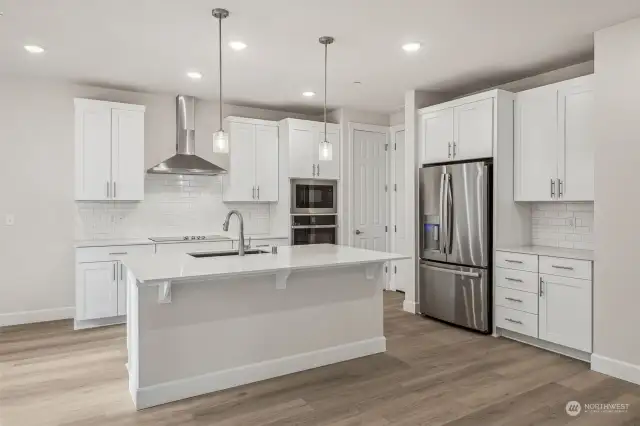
column 393, row 199
column 367, row 128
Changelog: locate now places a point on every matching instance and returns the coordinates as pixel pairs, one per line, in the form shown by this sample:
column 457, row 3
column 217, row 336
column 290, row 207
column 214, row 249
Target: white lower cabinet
column 553, row 305
column 97, row 290
column 565, row 311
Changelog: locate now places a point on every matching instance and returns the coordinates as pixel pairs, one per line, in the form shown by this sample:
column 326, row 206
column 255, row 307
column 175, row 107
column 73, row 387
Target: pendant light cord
column 220, row 62
column 325, row 92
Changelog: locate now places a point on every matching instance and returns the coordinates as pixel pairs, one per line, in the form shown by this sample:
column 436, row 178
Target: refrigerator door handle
column 451, row 271
column 441, row 232
column 449, row 215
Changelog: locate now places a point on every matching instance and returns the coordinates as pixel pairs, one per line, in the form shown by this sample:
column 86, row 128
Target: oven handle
column 313, row 226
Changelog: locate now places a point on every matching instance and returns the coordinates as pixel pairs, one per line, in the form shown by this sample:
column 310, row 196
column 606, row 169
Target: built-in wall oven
column 313, row 229
column 313, row 196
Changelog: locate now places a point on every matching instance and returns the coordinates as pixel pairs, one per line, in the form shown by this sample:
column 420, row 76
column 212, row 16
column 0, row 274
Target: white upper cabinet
column 458, row 130
column 535, row 151
column 253, row 161
column 554, row 142
column 304, row 139
column 473, row 130
column 576, row 107
column 436, row 135
column 109, row 151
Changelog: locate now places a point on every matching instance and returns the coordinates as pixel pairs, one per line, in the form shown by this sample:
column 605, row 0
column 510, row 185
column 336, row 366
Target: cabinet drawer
column 517, row 280
column 518, row 300
column 193, row 247
column 572, row 268
column 523, row 262
column 109, row 253
column 518, row 321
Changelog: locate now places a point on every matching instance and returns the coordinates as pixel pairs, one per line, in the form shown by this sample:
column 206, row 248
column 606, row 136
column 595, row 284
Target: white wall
column 36, row 142
column 617, row 283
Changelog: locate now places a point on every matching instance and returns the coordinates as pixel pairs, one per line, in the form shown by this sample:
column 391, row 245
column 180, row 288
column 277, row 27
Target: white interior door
column 239, row 184
column 576, row 126
column 267, row 154
column 127, row 154
column 436, row 136
column 473, row 130
column 369, row 206
column 97, row 290
column 93, row 152
column 303, row 151
column 536, row 153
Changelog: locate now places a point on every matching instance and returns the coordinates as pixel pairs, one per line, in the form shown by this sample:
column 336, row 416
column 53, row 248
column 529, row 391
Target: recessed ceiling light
column 194, row 75
column 412, row 47
column 308, row 94
column 33, row 49
column 237, row 45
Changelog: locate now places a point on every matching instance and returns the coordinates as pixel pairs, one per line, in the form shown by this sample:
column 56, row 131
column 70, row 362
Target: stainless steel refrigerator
column 455, row 243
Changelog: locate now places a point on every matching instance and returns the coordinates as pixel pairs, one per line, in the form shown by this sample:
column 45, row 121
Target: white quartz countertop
column 551, row 251
column 224, row 236
column 175, row 266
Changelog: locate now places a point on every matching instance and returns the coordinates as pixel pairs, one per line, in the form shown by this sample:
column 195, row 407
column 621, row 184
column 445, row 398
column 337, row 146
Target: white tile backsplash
column 568, row 225
column 173, row 205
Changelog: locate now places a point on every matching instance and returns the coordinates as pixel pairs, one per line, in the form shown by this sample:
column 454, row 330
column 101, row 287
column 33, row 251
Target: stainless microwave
column 314, row 196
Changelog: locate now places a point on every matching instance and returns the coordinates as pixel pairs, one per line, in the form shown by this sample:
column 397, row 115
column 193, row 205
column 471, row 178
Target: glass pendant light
column 220, row 138
column 325, row 149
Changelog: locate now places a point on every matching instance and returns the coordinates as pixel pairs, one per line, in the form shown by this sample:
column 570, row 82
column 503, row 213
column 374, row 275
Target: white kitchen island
column 198, row 325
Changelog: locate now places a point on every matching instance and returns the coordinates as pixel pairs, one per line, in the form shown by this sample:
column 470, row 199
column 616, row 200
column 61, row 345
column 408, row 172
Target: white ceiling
column 149, row 45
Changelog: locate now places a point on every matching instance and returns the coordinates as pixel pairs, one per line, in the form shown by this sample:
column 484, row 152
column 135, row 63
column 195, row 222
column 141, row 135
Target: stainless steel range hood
column 185, row 162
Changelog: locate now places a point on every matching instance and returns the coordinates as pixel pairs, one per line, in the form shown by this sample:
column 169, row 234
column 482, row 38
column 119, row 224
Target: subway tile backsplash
column 567, row 225
column 173, row 205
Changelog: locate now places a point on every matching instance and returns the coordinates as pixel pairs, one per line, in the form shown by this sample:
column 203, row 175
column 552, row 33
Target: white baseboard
column 613, row 367
column 102, row 322
column 410, row 306
column 28, row 317
column 186, row 388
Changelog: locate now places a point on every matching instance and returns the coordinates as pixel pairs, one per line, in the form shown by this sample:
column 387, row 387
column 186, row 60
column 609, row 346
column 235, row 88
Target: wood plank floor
column 432, row 374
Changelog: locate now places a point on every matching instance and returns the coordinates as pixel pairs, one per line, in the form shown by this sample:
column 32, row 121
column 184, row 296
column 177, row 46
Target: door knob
column 358, row 232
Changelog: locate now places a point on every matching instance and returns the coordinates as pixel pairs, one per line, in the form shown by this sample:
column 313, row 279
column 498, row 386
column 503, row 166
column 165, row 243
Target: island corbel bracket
column 164, row 291
column 371, row 271
column 281, row 279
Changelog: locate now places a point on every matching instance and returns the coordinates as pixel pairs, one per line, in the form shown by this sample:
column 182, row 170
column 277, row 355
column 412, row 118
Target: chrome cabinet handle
column 513, row 300
column 513, row 321
column 568, row 268
column 454, row 150
column 449, row 150
column 121, row 271
column 559, row 188
column 118, row 253
column 108, row 190
column 114, row 272
column 513, row 261
column 258, row 192
column 314, row 169
column 318, row 169
column 513, row 279
column 253, row 194
column 541, row 287
column 114, row 190
column 553, row 188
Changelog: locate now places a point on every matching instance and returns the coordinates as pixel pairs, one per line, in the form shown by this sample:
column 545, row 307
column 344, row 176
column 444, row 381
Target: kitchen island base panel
column 222, row 333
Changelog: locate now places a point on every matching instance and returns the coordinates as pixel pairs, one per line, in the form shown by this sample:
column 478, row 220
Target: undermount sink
column 225, row 253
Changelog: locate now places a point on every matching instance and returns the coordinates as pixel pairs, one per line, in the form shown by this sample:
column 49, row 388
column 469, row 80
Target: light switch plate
column 9, row 219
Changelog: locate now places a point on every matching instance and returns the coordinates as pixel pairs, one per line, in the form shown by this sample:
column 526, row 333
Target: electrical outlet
column 571, row 222
column 9, row 219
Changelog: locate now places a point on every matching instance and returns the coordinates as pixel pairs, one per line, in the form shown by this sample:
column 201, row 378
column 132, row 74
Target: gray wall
column 617, row 206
